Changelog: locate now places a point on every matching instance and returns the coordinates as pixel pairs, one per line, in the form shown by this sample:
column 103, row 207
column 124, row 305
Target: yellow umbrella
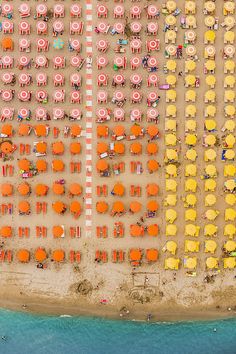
column 210, row 124
column 171, row 247
column 170, row 20
column 210, row 246
column 171, row 95
column 229, row 154
column 229, row 65
column 171, row 215
column 171, row 170
column 171, row 185
column 229, row 171
column 170, row 139
column 229, row 81
column 230, row 110
column 229, row 96
column 190, row 95
column 230, row 199
column 210, row 95
column 229, row 262
column 171, row 5
column 209, row 155
column 190, row 262
column 230, row 125
column 230, row 184
column 210, row 185
column 229, row 21
column 190, row 80
column 210, row 140
column 209, row 36
column 229, row 230
column 230, row 246
column 210, row 65
column 190, row 21
column 190, row 125
column 191, row 154
column 190, row 200
column 230, row 140
column 171, row 110
column 190, row 215
column 211, row 214
column 210, row 199
column 191, row 50
column 170, row 36
column 171, row 80
column 209, row 21
column 229, row 6
column 191, row 139
column 210, row 170
column 170, row 200
column 210, row 111
column 230, row 214
column 210, row 80
column 190, row 110
column 191, row 246
column 172, row 263
column 171, row 155
column 229, row 37
column 210, row 230
column 171, row 230
column 170, row 124
column 190, row 185
column 171, row 64
column 212, row 263
column 190, row 170
column 191, row 230
column 190, row 7
column 209, row 6
column 190, row 65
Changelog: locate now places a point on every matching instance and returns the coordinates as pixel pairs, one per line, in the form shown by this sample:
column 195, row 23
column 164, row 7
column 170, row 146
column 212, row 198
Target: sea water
column 30, row 334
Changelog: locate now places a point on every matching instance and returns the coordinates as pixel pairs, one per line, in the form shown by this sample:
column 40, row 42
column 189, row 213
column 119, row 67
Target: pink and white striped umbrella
column 41, row 78
column 75, row 61
column 41, row 26
column 135, row 62
column 58, row 113
column 41, row 9
column 58, row 26
column 152, row 96
column 24, row 43
column 41, row 60
column 152, row 27
column 136, row 27
column 24, row 95
column 152, row 62
column 7, row 112
column 75, row 9
column 119, row 96
column 75, row 113
column 41, row 113
column 7, row 9
column 24, row 78
column 58, row 78
column 41, row 95
column 24, row 9
column 7, row 60
column 7, row 77
column 119, row 27
column 23, row 60
column 136, row 79
column 102, row 61
column 7, row 95
column 119, row 113
column 24, row 26
column 24, row 113
column 58, row 95
column 118, row 79
column 75, row 78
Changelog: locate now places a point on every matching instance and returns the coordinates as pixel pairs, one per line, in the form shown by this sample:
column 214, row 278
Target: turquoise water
column 38, row 335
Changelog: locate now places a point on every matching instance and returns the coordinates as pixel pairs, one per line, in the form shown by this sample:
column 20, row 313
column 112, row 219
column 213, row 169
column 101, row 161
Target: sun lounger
column 20, row 232
column 78, row 257
column 9, row 256
column 38, row 231
column 78, row 231
column 2, row 256
column 72, row 256
column 104, row 231
column 114, row 256
column 72, row 232
column 44, row 231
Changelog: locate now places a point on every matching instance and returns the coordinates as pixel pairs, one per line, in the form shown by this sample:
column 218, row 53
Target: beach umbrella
column 41, row 130
column 40, row 255
column 24, row 129
column 152, row 255
column 75, row 130
column 119, row 189
column 58, row 165
column 152, row 189
column 229, row 170
column 41, row 147
column 230, row 214
column 119, row 130
column 58, row 188
column 190, row 170
column 152, row 230
column 136, row 130
column 75, row 148
column 75, row 208
column 135, row 207
column 171, row 170
column 170, row 139
column 6, row 189
column 6, row 147
column 191, row 246
column 152, row 165
column 58, row 231
column 41, row 165
column 102, row 147
column 210, row 246
column 41, row 189
column 190, row 263
column 171, row 185
column 191, row 230
column 102, row 165
column 210, row 199
column 58, row 255
column 190, row 185
column 229, row 262
column 59, row 207
column 119, row 148
column 172, row 263
column 229, row 230
column 171, row 230
column 23, row 256
column 135, row 255
column 212, row 262
column 171, row 247
column 190, row 215
column 230, row 199
column 152, row 206
column 75, row 189
column 171, row 200
column 230, row 184
column 210, row 230
column 6, row 231
column 136, row 230
column 24, row 188
column 6, row 129
column 118, row 207
column 210, row 185
column 210, row 124
column 24, row 207
column 101, row 207
column 136, row 148
column 171, row 215
column 58, row 43
column 211, row 214
column 58, row 148
column 102, row 131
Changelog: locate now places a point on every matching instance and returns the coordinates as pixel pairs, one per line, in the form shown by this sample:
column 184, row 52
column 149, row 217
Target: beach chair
column 78, row 257
column 78, row 231
column 2, row 255
column 72, row 232
column 104, row 190
column 132, row 190
column 121, row 256
column 114, row 256
column 38, row 231
column 104, row 256
column 20, row 232
column 98, row 231
column 9, row 256
column 44, row 231
column 72, row 256
column 27, row 231
column 104, row 231
column 44, row 207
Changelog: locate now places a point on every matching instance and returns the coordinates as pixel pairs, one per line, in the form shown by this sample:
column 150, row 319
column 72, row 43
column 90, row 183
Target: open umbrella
column 58, row 43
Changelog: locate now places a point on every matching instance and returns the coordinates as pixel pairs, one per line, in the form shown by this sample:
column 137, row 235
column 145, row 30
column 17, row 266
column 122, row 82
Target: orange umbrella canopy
column 24, row 164
column 75, row 207
column 40, row 130
column 119, row 189
column 152, row 130
column 102, row 165
column 75, row 130
column 152, row 165
column 152, row 230
column 136, row 230
column 136, row 148
column 24, row 129
column 6, row 189
column 7, row 43
column 101, row 207
column 102, row 131
column 58, row 188
column 57, row 231
column 58, row 148
column 152, row 148
column 152, row 255
column 102, row 147
column 41, row 147
column 6, row 147
column 59, row 207
column 24, row 188
column 75, row 148
column 135, row 255
column 118, row 207
column 119, row 148
column 41, row 165
column 41, row 189
column 58, row 255
column 23, row 256
column 75, row 189
column 24, row 206
column 6, row 231
column 40, row 255
column 119, row 130
column 152, row 205
column 58, row 165
column 135, row 207
column 152, row 189
column 136, row 130
column 7, row 129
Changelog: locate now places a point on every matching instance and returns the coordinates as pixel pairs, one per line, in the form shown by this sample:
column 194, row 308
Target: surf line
column 89, row 116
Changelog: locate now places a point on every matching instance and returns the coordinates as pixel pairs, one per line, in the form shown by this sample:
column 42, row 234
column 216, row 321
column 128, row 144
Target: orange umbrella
column 75, row 148
column 136, row 130
column 7, row 43
column 119, row 148
column 152, row 130
column 24, row 207
column 102, row 131
column 119, row 130
column 58, row 148
column 135, row 207
column 6, row 189
column 153, row 230
column 23, row 256
column 118, row 207
column 118, row 189
column 7, row 129
column 102, row 147
column 101, row 207
column 24, row 165
column 152, row 255
column 41, row 147
column 24, row 188
column 136, row 148
column 40, row 130
column 58, row 255
column 6, row 147
column 75, row 189
column 152, row 148
column 75, row 207
column 75, row 130
column 57, row 231
column 135, row 255
column 41, row 189
column 58, row 188
column 59, row 207
column 152, row 189
column 24, row 129
column 136, row 230
column 58, row 165
column 41, row 165
column 40, row 255
column 152, row 205
column 6, row 231
column 152, row 165
column 102, row 165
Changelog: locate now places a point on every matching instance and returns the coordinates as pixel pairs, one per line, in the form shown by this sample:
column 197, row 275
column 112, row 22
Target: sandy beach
column 91, row 287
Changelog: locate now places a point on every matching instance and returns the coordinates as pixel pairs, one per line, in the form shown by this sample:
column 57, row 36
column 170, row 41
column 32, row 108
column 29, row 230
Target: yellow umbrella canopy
column 229, row 65
column 190, row 170
column 210, row 80
column 210, row 110
column 171, row 79
column 229, row 81
column 170, row 35
column 229, row 37
column 170, row 124
column 171, row 95
column 170, row 139
column 209, row 36
column 230, row 184
column 171, row 64
column 230, row 140
column 190, row 262
column 210, row 170
column 230, row 199
column 229, row 154
column 190, row 110
column 210, row 230
column 171, row 247
column 171, row 155
column 190, row 80
column 210, row 200
column 229, row 95
column 230, row 214
column 171, row 215
column 230, row 246
column 210, row 95
column 229, row 170
column 190, row 95
column 209, row 21
column 229, row 21
column 191, row 139
column 190, row 185
column 190, row 200
column 172, row 263
column 190, row 125
column 171, row 170
column 171, row 199
column 171, row 230
column 191, row 230
column 171, row 5
column 209, row 155
column 191, row 246
column 210, row 185
column 212, row 263
column 210, row 140
column 211, row 214
column 210, row 65
column 191, row 154
column 229, row 230
column 190, row 215
column 171, row 110
column 230, row 110
column 209, row 6
column 190, row 65
column 229, row 262
column 210, row 124
column 171, row 185
column 170, row 20
column 229, row 6
column 210, row 246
